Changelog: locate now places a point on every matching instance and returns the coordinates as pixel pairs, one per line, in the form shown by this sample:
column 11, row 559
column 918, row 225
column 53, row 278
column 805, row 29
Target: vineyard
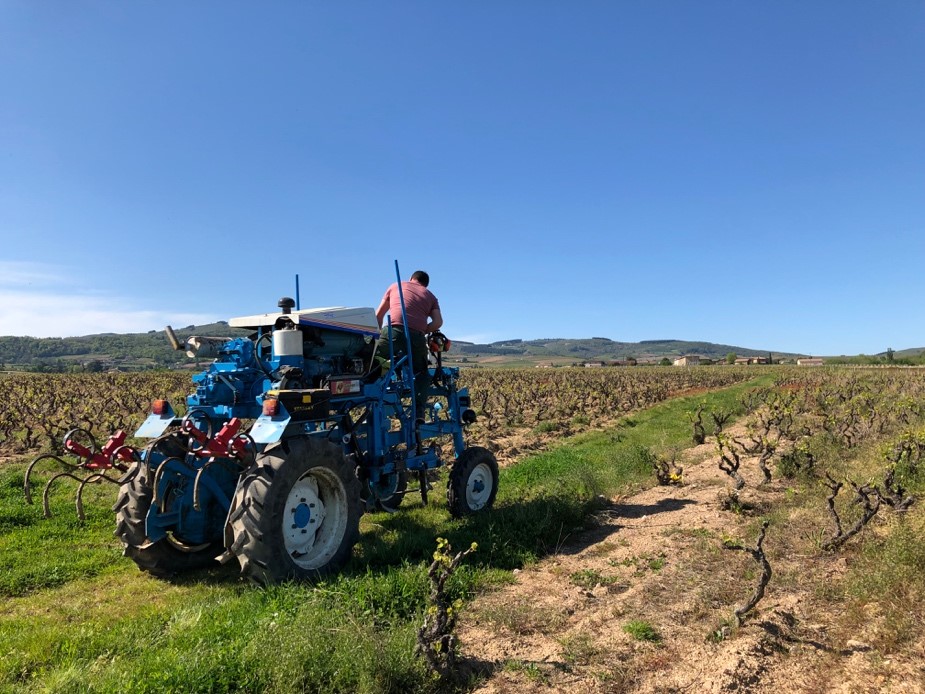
column 39, row 409
column 656, row 530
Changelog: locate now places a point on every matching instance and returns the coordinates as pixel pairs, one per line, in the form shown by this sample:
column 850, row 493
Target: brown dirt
column 656, row 558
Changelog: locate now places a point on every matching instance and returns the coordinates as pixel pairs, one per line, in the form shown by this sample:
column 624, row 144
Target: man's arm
column 436, row 321
column 382, row 310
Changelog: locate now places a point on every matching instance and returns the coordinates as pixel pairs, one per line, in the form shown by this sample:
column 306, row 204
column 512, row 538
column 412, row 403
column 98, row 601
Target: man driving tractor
column 422, row 313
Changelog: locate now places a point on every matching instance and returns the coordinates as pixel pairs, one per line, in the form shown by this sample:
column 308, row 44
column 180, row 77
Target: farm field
column 589, row 575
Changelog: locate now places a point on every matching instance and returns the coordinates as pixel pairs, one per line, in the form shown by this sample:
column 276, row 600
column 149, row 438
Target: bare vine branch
column 764, row 448
column 700, row 434
column 720, row 417
column 757, row 553
column 729, row 461
column 866, row 495
column 894, row 494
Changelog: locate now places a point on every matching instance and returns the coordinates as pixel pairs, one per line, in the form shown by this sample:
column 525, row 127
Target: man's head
column 421, row 277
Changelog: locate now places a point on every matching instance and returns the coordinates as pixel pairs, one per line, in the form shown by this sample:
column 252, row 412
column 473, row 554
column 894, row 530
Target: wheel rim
column 386, row 487
column 479, row 487
column 315, row 518
column 383, row 493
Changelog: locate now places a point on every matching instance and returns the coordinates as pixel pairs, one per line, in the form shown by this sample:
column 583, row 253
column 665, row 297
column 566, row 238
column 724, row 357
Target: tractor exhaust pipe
column 196, row 347
column 172, row 339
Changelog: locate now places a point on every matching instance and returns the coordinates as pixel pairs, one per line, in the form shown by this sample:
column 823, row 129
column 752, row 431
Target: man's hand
column 436, row 321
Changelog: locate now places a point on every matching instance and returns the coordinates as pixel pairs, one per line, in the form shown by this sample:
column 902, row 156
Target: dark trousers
column 418, row 358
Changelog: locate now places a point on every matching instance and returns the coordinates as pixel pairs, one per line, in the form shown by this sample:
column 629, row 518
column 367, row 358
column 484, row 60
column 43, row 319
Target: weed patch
column 578, row 649
column 642, row 630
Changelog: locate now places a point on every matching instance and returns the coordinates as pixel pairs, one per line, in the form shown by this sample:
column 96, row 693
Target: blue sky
column 748, row 173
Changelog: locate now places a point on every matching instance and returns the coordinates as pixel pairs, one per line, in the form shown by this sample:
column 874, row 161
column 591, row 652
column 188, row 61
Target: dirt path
column 654, row 566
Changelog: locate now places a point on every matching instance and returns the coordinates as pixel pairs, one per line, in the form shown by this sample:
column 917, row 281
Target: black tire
column 279, row 500
column 167, row 556
column 389, row 495
column 473, row 482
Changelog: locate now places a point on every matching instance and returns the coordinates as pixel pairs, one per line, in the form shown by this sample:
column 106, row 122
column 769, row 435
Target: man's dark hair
column 421, row 277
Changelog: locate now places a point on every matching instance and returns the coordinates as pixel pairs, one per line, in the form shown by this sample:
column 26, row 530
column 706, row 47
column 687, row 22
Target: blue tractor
column 333, row 431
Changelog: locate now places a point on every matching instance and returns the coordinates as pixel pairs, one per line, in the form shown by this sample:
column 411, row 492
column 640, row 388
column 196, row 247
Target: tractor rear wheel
column 296, row 512
column 473, row 482
column 162, row 558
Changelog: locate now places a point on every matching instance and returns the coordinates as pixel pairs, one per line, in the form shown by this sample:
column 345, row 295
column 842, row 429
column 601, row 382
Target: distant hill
column 152, row 350
column 605, row 349
column 905, row 353
column 104, row 351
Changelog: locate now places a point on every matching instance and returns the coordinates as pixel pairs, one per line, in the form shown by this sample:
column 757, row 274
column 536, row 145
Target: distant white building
column 811, row 361
column 687, row 360
column 752, row 360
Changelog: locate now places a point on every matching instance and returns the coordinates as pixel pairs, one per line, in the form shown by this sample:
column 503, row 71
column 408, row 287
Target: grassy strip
column 37, row 553
column 103, row 627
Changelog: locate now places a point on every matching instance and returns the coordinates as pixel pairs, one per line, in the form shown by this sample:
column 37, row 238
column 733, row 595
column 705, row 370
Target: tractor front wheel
column 296, row 512
column 473, row 482
column 162, row 558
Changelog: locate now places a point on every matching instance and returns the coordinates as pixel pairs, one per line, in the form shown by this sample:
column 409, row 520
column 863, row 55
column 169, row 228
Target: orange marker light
column 159, row 407
column 270, row 407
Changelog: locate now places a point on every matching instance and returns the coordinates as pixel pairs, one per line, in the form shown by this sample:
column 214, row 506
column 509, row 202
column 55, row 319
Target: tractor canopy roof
column 355, row 320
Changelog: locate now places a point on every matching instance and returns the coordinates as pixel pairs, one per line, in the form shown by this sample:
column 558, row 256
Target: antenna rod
column 298, row 304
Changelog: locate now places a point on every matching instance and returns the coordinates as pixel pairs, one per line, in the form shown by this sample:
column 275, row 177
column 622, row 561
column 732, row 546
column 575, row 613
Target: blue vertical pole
column 298, row 303
column 401, row 298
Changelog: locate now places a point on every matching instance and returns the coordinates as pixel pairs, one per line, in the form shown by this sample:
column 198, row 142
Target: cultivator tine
column 27, row 480
column 196, row 504
column 121, row 453
column 425, row 487
column 227, row 447
column 244, row 448
column 92, row 479
column 71, row 445
column 46, row 509
column 92, row 463
column 159, row 473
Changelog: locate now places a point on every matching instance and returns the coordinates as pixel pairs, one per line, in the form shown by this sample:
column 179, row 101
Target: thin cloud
column 31, row 276
column 37, row 301
column 58, row 315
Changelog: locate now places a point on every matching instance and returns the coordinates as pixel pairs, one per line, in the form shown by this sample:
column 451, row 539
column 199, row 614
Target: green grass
column 38, row 553
column 642, row 630
column 530, row 670
column 578, row 649
column 80, row 618
column 890, row 573
column 589, row 578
